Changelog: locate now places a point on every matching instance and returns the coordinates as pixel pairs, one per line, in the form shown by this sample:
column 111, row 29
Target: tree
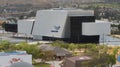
column 60, row 44
column 5, row 45
column 32, row 14
column 119, row 27
column 21, row 17
column 30, row 49
column 3, row 25
column 47, row 55
column 72, row 46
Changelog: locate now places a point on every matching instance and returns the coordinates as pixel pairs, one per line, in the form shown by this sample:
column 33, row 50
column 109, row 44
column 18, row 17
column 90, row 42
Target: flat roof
column 27, row 20
column 79, row 58
column 12, row 53
column 73, row 12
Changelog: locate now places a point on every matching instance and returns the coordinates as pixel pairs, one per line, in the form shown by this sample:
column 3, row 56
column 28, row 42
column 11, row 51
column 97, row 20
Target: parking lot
column 14, row 38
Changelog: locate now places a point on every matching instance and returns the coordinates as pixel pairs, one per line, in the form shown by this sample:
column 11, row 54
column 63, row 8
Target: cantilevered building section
column 98, row 28
column 11, row 28
column 26, row 26
column 71, row 25
column 52, row 24
column 64, row 25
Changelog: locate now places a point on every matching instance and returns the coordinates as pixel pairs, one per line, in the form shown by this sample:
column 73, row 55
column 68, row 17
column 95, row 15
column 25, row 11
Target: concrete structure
column 9, row 58
column 25, row 26
column 61, row 24
column 21, row 64
column 98, row 28
column 76, row 61
column 71, row 25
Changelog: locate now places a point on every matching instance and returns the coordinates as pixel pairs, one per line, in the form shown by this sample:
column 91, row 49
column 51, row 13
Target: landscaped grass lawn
column 41, row 65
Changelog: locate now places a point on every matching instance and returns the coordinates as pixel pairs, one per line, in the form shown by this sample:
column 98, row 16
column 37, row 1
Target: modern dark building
column 71, row 25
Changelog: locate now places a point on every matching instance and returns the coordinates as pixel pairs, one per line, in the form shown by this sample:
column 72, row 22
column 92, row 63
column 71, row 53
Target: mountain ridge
column 3, row 2
column 34, row 2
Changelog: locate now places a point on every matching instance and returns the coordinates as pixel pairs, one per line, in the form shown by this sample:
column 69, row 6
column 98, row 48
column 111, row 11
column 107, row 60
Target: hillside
column 41, row 1
column 2, row 2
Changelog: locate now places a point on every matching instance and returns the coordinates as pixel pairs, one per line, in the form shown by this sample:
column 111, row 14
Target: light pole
column 103, row 39
column 26, row 38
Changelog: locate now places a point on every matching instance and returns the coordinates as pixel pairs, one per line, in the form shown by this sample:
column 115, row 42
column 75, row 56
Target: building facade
column 69, row 25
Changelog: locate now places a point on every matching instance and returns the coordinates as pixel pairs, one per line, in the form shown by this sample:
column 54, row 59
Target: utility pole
column 103, row 39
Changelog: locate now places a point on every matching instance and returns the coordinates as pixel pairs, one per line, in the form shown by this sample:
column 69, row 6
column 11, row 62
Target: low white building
column 9, row 58
column 25, row 26
column 97, row 28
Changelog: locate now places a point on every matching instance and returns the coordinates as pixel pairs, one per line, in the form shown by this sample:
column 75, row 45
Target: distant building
column 71, row 25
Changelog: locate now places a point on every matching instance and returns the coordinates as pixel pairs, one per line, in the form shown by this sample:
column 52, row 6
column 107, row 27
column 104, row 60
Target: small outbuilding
column 79, row 61
column 9, row 58
column 60, row 53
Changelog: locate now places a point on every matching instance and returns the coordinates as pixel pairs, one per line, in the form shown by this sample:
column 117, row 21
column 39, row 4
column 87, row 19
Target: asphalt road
column 106, row 40
column 13, row 39
column 54, row 63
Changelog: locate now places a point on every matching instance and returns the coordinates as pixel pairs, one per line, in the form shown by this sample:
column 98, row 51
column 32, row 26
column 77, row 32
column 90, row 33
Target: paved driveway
column 54, row 63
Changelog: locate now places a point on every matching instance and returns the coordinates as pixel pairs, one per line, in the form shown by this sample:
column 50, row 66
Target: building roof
column 79, row 58
column 27, row 20
column 12, row 53
column 61, row 52
column 57, row 50
column 72, row 12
